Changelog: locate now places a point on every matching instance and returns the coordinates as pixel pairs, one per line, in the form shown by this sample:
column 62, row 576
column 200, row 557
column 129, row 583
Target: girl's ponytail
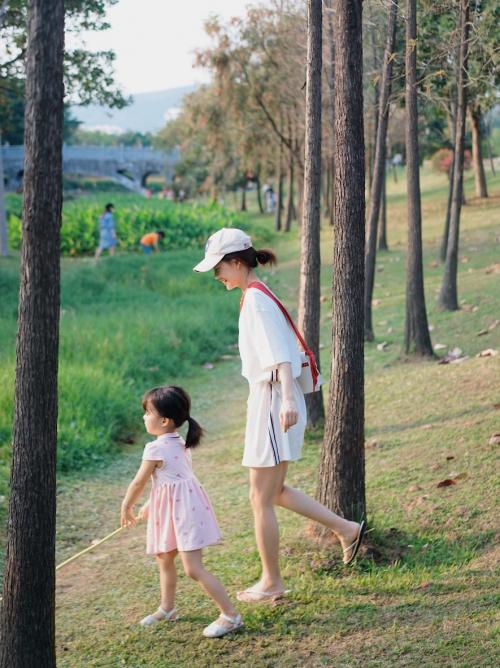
column 194, row 433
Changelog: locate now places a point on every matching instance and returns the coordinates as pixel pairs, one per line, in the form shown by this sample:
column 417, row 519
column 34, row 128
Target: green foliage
column 185, row 225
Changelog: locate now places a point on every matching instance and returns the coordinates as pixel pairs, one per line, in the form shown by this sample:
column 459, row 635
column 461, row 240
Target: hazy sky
column 154, row 40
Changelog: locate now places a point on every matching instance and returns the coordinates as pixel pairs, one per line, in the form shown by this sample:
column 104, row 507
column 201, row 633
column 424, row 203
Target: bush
column 442, row 159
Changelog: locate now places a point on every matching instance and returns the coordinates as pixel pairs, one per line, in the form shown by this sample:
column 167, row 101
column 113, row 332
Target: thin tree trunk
column 259, row 195
column 417, row 338
column 243, row 206
column 379, row 169
column 446, row 233
column 279, row 203
column 330, row 70
column 341, row 481
column 477, row 152
column 28, row 606
column 289, row 211
column 382, row 239
column 448, row 297
column 310, row 260
column 4, row 237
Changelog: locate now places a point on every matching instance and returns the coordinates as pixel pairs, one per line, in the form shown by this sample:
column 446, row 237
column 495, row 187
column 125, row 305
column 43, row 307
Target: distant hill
column 148, row 112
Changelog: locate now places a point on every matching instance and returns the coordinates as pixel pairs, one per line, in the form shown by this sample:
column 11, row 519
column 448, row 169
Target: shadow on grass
column 397, row 548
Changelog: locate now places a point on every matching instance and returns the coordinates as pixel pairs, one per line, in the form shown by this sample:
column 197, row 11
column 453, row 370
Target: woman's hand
column 127, row 517
column 289, row 414
column 144, row 512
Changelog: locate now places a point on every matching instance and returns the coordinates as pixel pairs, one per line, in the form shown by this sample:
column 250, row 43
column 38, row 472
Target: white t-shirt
column 265, row 338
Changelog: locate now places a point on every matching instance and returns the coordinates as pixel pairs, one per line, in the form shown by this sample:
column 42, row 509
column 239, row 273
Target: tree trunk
column 279, row 203
column 330, row 70
column 4, row 237
column 259, row 195
column 444, row 241
column 448, row 298
column 379, row 169
column 382, row 239
column 341, row 482
column 417, row 338
column 289, row 211
column 28, row 607
column 310, row 260
column 300, row 194
column 477, row 152
column 243, row 206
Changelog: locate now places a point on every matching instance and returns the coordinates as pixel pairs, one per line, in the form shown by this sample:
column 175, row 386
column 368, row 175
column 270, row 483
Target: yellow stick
column 87, row 549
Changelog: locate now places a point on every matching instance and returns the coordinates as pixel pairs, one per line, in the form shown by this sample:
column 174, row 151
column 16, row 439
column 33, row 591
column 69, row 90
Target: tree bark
column 382, row 239
column 310, row 260
column 243, row 206
column 279, row 203
column 341, row 482
column 379, row 169
column 477, row 151
column 417, row 338
column 448, row 297
column 330, row 70
column 4, row 236
column 289, row 211
column 446, row 232
column 259, row 195
column 28, row 607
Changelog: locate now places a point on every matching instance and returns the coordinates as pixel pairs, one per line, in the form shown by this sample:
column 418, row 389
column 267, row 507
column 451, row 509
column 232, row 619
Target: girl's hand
column 144, row 512
column 127, row 517
column 289, row 414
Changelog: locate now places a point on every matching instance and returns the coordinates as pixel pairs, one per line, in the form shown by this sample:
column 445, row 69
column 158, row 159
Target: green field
column 424, row 593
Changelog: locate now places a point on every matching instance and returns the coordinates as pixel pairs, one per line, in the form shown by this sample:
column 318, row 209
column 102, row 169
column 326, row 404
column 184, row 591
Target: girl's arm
column 289, row 414
column 135, row 490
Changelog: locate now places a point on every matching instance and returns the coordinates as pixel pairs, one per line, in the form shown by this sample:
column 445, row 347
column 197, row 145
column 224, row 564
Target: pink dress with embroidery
column 180, row 513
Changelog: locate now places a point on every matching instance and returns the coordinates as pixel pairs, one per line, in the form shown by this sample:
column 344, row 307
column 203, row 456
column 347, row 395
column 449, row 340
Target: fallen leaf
column 493, row 325
column 435, row 467
column 414, row 488
column 450, row 457
column 440, row 346
column 208, row 365
column 434, row 264
column 496, row 406
column 382, row 346
column 447, row 482
column 431, row 328
column 376, row 302
column 371, row 443
column 464, row 259
column 460, row 476
column 452, row 356
column 323, row 299
column 488, row 352
column 228, row 357
column 483, row 332
column 469, row 308
column 493, row 268
column 495, row 439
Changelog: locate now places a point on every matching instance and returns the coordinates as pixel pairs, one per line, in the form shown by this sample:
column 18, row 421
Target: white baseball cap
column 227, row 240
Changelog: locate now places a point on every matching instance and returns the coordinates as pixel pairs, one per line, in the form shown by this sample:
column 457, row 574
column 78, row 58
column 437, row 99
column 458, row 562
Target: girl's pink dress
column 180, row 513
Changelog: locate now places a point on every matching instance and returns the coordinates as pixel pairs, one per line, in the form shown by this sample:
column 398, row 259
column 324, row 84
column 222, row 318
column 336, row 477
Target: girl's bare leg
column 193, row 567
column 168, row 580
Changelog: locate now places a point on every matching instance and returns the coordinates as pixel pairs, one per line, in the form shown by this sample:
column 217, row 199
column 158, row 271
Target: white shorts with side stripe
column 265, row 442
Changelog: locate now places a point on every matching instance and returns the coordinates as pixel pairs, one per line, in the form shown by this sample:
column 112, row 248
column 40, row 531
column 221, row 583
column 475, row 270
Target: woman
column 107, row 232
column 276, row 416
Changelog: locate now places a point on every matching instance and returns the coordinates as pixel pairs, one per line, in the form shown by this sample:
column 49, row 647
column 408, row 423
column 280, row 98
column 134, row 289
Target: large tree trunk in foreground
column 417, row 338
column 341, row 482
column 310, row 261
column 379, row 170
column 448, row 297
column 28, row 607
column 477, row 152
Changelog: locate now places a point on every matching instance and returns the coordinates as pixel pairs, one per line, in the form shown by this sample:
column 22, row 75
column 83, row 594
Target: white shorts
column 266, row 444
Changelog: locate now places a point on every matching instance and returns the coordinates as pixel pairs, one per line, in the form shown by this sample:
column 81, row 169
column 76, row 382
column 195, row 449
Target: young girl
column 180, row 516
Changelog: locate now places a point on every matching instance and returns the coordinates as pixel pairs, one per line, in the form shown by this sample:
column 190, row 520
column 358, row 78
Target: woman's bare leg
column 300, row 503
column 265, row 485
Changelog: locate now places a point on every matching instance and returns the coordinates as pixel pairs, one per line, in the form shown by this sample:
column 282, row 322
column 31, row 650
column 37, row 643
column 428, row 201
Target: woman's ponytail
column 194, row 433
column 265, row 256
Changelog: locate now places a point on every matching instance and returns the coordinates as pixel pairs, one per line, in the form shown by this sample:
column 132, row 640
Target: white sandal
column 216, row 630
column 150, row 620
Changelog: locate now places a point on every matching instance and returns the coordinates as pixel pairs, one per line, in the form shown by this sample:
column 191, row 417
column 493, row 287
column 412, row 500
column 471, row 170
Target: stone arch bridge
column 127, row 166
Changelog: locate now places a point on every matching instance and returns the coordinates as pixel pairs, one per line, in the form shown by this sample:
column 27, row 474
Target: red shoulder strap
column 263, row 288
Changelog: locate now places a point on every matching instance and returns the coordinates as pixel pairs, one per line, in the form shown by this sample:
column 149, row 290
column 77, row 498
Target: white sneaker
column 217, row 630
column 150, row 620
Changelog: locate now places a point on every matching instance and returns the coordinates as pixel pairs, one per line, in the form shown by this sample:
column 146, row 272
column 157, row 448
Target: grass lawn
column 425, row 590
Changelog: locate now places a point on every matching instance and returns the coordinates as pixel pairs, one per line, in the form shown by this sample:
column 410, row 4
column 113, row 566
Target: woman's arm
column 135, row 490
column 289, row 414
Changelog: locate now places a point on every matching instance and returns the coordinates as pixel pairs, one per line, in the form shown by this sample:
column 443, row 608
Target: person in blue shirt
column 107, row 232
